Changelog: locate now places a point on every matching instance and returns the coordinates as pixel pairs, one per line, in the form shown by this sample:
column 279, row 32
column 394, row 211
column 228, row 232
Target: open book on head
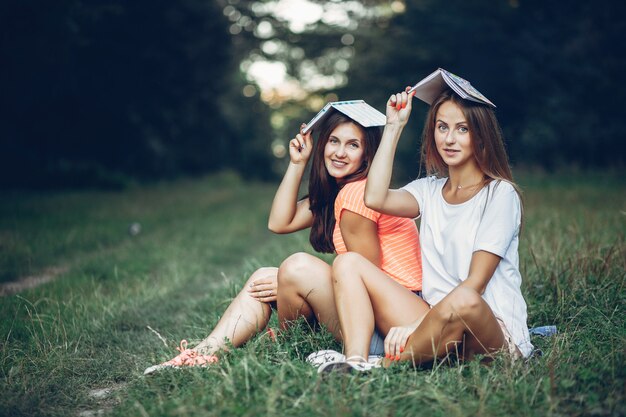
column 433, row 85
column 357, row 110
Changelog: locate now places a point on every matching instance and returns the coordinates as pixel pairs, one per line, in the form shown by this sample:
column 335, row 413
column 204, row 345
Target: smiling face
column 452, row 136
column 343, row 153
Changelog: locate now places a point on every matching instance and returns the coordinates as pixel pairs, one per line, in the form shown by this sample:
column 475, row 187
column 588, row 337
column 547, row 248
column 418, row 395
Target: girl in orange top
column 339, row 221
column 400, row 250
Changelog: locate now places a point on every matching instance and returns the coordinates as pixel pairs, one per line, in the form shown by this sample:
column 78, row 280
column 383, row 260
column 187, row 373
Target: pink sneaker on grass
column 186, row 357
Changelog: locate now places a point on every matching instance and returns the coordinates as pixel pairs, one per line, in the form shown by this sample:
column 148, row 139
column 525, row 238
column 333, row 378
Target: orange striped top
column 400, row 251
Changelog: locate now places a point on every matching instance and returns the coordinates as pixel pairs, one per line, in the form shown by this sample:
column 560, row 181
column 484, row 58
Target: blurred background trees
column 552, row 69
column 101, row 93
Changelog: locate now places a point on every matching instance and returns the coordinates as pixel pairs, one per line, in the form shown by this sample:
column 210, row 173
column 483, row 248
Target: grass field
column 77, row 346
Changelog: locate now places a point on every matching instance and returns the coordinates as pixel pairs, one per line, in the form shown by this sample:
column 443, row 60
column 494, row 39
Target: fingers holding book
column 399, row 106
column 300, row 147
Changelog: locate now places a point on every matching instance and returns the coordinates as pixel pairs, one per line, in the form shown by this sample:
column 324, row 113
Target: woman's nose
column 340, row 152
column 450, row 139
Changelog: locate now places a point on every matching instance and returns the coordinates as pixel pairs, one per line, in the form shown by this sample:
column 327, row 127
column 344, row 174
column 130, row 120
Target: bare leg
column 244, row 317
column 461, row 323
column 305, row 289
column 365, row 296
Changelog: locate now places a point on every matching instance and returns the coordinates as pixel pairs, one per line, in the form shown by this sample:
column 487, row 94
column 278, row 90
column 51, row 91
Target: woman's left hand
column 264, row 289
column 396, row 339
column 301, row 147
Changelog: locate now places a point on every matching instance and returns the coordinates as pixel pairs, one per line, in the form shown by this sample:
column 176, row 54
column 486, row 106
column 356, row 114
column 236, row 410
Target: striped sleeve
column 351, row 198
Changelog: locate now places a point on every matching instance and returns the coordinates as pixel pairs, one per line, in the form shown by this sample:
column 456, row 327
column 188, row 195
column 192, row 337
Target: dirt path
column 32, row 281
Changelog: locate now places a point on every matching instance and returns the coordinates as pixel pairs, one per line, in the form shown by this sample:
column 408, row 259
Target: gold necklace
column 459, row 187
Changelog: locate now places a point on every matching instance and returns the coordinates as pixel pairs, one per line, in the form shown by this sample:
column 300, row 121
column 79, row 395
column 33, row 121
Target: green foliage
column 101, row 92
column 551, row 69
column 88, row 329
column 106, row 93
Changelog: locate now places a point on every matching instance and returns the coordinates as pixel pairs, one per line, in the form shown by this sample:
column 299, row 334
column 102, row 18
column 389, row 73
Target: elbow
column 274, row 228
column 372, row 203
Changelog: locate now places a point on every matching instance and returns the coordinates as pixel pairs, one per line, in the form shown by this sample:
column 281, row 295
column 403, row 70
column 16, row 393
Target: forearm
column 477, row 285
column 284, row 206
column 379, row 176
column 482, row 268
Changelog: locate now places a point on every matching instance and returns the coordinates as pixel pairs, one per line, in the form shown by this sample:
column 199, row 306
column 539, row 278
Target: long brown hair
column 323, row 188
column 486, row 140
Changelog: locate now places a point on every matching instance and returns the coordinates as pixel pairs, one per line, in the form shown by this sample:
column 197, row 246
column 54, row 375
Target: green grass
column 88, row 329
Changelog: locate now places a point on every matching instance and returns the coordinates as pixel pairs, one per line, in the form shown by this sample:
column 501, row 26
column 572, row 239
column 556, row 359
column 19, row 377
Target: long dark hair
column 323, row 188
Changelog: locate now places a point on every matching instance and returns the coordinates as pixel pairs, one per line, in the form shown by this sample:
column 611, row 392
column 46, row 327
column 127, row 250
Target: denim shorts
column 377, row 344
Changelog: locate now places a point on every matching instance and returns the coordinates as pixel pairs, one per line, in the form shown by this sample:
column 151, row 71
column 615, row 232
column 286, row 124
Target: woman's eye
column 354, row 145
column 442, row 128
column 333, row 140
column 463, row 129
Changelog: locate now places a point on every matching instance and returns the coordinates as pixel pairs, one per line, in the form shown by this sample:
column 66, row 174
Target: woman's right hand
column 301, row 147
column 396, row 339
column 265, row 288
column 399, row 107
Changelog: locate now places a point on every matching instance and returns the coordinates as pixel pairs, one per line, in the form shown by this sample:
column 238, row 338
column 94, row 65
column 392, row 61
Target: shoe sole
column 346, row 367
column 341, row 367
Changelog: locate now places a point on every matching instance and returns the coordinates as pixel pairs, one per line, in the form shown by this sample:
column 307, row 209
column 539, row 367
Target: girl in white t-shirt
column 470, row 221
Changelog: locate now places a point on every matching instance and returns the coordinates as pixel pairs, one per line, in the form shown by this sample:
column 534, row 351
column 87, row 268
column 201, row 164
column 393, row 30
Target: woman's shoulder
column 504, row 194
column 500, row 187
column 436, row 180
column 352, row 191
column 433, row 180
column 428, row 182
column 350, row 198
column 354, row 187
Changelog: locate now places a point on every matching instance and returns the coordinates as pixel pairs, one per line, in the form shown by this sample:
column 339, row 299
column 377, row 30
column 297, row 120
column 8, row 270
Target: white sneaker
column 375, row 360
column 324, row 356
column 347, row 367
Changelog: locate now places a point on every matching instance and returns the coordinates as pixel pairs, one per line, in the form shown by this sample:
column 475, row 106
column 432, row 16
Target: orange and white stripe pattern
column 401, row 256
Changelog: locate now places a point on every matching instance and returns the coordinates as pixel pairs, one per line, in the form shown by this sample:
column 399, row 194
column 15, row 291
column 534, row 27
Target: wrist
column 392, row 133
column 296, row 168
column 395, row 126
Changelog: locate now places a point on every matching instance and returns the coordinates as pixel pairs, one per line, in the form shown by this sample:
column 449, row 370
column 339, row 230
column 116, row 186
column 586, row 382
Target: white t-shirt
column 451, row 233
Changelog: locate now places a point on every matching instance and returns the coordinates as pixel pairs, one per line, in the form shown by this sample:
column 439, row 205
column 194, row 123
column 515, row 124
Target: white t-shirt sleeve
column 500, row 221
column 419, row 189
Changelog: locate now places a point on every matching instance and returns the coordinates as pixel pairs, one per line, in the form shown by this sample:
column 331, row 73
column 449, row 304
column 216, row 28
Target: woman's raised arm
column 378, row 196
column 288, row 214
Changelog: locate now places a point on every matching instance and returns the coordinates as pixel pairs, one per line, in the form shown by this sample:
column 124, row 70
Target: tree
column 95, row 91
column 553, row 71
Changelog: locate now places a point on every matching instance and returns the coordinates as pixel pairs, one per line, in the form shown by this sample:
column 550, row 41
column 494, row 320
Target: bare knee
column 345, row 266
column 294, row 268
column 263, row 272
column 461, row 305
